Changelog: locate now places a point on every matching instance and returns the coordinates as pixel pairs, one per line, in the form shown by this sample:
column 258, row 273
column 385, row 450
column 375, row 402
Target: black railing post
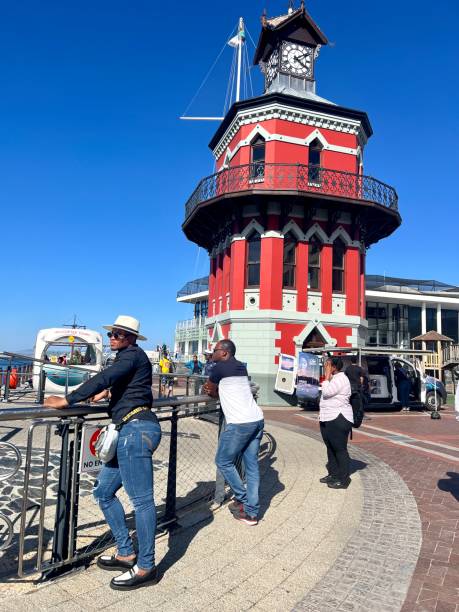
column 62, row 523
column 219, row 496
column 171, row 495
column 41, row 386
column 6, row 392
column 66, row 522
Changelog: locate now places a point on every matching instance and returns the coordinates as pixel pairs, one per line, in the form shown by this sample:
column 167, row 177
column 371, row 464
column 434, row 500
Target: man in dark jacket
column 127, row 384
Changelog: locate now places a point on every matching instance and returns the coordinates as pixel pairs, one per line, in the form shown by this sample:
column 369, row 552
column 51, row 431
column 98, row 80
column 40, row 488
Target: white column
column 439, row 318
column 423, row 323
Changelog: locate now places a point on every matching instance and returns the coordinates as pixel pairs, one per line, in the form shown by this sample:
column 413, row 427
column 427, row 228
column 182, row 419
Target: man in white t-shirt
column 229, row 381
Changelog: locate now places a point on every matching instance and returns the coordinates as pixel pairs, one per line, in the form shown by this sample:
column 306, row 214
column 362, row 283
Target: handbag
column 107, row 440
column 106, row 443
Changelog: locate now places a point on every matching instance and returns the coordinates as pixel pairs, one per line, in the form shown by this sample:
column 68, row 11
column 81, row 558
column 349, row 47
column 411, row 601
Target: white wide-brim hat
column 128, row 324
column 208, row 352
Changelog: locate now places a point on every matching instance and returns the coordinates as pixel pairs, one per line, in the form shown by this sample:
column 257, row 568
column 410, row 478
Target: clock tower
column 289, row 214
column 287, row 50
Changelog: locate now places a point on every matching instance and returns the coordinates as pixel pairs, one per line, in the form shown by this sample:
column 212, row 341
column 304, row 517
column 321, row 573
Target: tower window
column 314, row 264
column 315, row 161
column 253, row 260
column 339, row 249
column 257, row 158
column 288, row 277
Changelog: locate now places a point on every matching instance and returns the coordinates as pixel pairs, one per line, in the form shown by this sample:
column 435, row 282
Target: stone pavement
column 425, row 454
column 314, row 548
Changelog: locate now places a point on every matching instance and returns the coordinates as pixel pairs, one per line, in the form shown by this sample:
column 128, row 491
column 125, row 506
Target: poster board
column 308, row 383
column 286, row 374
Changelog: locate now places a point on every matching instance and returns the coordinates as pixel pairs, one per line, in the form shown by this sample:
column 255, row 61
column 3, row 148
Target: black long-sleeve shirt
column 129, row 380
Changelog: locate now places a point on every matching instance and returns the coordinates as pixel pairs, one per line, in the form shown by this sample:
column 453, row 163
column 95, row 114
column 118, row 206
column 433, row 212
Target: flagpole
column 239, row 58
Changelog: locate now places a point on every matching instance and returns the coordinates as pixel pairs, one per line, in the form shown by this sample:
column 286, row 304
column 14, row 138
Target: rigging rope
column 209, row 72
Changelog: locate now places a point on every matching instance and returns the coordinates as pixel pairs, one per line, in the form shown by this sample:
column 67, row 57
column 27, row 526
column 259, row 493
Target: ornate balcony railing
column 294, row 177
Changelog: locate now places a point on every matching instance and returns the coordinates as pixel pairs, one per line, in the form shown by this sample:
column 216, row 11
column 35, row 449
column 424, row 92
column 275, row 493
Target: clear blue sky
column 96, row 167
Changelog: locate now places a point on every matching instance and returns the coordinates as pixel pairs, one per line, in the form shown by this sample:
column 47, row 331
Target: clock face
column 272, row 67
column 297, row 60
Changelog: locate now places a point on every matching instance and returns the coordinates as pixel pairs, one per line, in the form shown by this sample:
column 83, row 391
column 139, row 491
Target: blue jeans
column 132, row 468
column 242, row 438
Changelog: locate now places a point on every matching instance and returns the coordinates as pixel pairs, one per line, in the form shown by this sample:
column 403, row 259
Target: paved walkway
column 425, row 454
column 314, row 549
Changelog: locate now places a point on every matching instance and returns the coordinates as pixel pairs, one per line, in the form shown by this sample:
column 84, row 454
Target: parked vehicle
column 426, row 391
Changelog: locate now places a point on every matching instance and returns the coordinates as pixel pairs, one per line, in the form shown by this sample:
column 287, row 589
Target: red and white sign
column 88, row 460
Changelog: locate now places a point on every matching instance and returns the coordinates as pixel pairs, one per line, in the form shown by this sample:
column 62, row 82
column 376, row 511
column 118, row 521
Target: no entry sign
column 88, row 460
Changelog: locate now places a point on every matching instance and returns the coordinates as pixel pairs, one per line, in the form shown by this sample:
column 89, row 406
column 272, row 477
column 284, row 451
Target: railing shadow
column 180, row 538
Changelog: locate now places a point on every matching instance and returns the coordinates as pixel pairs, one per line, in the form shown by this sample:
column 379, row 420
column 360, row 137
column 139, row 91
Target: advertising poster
column 307, row 386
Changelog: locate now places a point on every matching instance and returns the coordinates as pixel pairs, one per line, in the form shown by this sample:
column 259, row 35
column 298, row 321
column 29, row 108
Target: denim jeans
column 236, row 439
column 132, row 468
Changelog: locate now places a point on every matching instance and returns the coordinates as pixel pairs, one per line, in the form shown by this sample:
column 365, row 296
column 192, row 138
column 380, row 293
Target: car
column 426, row 391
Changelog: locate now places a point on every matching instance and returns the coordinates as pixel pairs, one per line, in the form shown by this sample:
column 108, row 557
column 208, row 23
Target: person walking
column 242, row 435
column 336, row 419
column 358, row 379
column 127, row 384
column 194, row 365
column 403, row 384
column 210, row 363
column 166, row 383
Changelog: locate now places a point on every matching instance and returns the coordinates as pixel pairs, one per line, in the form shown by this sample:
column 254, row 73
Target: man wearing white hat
column 128, row 385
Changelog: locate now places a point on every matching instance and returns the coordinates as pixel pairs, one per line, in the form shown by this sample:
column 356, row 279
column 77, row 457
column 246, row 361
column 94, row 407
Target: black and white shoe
column 111, row 563
column 328, row 478
column 339, row 484
column 131, row 580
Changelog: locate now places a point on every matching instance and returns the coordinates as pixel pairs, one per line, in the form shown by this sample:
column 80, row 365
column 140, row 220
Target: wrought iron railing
column 292, row 177
column 48, row 520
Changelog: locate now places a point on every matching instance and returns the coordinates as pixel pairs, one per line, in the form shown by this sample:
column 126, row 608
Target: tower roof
column 297, row 26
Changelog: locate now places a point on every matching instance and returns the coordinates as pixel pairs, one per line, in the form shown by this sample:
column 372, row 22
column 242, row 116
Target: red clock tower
column 289, row 215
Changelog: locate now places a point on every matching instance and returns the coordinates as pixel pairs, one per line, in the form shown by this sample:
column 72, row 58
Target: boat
column 68, row 357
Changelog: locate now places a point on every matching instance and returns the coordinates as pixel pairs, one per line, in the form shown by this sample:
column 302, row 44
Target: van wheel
column 431, row 401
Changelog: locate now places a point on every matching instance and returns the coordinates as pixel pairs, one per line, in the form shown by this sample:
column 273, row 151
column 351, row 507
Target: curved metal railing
column 292, row 177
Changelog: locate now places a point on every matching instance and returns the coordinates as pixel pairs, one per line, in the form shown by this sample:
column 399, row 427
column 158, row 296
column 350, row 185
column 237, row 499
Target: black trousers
column 335, row 435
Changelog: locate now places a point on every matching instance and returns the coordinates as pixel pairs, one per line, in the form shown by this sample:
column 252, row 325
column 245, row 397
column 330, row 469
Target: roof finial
column 263, row 18
column 302, row 5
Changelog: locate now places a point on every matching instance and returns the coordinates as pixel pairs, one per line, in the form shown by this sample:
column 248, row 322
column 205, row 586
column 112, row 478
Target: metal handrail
column 40, row 412
column 292, row 177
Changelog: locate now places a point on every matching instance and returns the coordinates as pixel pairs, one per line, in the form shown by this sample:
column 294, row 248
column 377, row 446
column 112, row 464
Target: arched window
column 257, row 158
column 253, row 260
column 314, row 161
column 339, row 249
column 314, row 249
column 288, row 276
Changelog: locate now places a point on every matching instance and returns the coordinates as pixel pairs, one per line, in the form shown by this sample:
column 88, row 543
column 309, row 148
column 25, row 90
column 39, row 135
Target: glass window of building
column 449, row 324
column 288, row 276
column 431, row 319
column 253, row 260
column 257, row 154
column 339, row 249
column 414, row 321
column 314, row 249
column 315, row 161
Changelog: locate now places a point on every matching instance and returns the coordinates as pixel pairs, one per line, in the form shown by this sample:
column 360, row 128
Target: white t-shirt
column 236, row 399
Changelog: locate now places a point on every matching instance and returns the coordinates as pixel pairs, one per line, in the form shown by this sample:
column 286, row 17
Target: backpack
column 358, row 412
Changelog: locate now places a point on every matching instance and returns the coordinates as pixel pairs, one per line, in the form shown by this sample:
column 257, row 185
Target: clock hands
column 299, row 60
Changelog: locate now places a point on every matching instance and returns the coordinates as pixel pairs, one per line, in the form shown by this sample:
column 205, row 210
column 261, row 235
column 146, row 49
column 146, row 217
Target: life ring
column 14, row 378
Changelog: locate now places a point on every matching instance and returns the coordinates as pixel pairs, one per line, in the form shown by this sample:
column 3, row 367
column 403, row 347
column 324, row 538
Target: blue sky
column 96, row 167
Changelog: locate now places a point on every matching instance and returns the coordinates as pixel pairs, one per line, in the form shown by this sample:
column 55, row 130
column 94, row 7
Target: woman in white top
column 336, row 419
